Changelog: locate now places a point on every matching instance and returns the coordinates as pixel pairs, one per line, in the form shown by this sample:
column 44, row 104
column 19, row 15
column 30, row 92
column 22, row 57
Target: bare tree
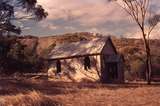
column 140, row 12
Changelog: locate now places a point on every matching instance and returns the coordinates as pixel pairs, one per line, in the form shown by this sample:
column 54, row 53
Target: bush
column 138, row 69
column 17, row 57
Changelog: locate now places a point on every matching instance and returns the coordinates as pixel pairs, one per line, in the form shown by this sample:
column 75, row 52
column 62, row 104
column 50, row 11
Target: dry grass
column 33, row 98
column 50, row 93
column 141, row 96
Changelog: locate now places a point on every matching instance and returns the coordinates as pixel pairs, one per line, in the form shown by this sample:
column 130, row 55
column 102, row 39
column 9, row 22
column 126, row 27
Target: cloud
column 69, row 28
column 88, row 12
column 88, row 15
column 47, row 25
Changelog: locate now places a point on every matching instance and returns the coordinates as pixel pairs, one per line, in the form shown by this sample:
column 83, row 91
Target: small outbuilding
column 96, row 60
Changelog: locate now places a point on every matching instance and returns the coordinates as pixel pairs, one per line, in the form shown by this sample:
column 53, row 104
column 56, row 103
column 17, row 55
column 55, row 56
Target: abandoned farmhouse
column 95, row 60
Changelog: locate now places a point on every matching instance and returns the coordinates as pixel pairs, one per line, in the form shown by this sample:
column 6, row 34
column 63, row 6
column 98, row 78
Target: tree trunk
column 148, row 60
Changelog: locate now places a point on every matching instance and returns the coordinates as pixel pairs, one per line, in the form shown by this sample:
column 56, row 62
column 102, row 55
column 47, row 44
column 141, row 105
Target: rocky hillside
column 132, row 49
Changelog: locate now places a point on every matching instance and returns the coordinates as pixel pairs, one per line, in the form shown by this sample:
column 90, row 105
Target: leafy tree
column 140, row 12
column 18, row 57
column 11, row 51
column 8, row 8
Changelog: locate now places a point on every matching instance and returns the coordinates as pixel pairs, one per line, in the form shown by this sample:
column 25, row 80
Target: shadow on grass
column 12, row 86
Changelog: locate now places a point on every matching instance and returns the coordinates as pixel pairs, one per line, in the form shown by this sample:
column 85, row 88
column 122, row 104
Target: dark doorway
column 87, row 63
column 58, row 65
column 112, row 70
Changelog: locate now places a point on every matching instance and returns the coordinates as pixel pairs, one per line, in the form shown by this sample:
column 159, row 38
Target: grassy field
column 49, row 93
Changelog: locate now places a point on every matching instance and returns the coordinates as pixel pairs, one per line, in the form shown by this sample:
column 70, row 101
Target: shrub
column 138, row 69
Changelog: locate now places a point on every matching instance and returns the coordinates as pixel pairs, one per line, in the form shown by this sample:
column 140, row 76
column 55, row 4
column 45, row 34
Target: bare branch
column 23, row 17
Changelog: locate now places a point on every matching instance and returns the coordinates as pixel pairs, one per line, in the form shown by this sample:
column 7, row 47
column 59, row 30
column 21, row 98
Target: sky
column 98, row 16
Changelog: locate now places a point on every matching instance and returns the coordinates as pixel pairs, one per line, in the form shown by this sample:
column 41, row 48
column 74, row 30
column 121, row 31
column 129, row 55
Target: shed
column 104, row 63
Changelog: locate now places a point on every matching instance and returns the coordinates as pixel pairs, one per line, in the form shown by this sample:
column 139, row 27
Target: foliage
column 8, row 8
column 17, row 57
column 138, row 69
column 13, row 54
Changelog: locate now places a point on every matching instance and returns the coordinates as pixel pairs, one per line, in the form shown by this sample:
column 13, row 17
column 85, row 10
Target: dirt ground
column 84, row 94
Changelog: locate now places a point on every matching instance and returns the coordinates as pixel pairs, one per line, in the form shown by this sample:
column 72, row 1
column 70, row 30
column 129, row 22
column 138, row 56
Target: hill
column 132, row 49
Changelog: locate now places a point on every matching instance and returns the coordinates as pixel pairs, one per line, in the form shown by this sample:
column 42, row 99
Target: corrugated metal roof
column 77, row 48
